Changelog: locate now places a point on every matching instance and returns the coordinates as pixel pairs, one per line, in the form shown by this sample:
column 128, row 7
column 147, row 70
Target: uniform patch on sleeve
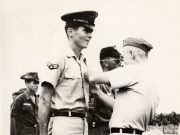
column 52, row 66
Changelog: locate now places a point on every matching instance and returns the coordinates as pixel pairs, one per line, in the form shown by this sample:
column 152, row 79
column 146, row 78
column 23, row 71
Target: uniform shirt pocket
column 72, row 70
column 72, row 74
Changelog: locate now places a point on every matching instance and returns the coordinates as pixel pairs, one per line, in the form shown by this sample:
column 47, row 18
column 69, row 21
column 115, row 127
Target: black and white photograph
column 86, row 67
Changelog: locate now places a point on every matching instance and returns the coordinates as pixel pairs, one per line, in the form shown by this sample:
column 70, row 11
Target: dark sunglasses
column 34, row 81
column 112, row 59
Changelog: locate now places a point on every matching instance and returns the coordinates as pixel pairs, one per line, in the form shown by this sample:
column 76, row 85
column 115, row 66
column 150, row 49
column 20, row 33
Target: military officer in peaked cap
column 137, row 99
column 65, row 92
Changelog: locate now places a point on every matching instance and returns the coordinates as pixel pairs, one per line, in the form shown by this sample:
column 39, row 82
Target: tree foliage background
column 166, row 119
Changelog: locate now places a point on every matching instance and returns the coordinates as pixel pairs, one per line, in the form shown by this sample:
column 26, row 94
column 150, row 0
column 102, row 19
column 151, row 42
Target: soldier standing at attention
column 65, row 93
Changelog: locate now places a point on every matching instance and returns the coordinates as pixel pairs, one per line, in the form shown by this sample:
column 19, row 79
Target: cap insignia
column 80, row 20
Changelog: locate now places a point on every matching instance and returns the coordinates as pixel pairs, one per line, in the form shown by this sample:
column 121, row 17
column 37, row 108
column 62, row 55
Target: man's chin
column 84, row 46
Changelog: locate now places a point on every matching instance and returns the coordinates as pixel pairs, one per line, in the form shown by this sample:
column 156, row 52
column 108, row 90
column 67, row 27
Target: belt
column 101, row 124
column 126, row 130
column 68, row 114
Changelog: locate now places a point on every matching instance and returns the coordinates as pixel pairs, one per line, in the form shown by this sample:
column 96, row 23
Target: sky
column 32, row 30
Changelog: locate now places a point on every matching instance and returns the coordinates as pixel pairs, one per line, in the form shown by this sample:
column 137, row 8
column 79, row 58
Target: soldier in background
column 24, row 108
column 13, row 124
column 102, row 100
column 17, row 93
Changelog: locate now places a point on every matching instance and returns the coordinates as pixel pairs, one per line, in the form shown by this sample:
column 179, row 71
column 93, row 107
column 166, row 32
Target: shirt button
column 35, row 125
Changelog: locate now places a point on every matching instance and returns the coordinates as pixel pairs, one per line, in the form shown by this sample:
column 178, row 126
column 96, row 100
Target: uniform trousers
column 62, row 125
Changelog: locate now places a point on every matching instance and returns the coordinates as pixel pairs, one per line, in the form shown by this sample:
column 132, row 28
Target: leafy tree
column 163, row 119
column 174, row 119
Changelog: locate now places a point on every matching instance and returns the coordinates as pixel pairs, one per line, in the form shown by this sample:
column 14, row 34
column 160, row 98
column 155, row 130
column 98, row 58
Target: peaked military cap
column 109, row 52
column 84, row 18
column 139, row 43
column 30, row 76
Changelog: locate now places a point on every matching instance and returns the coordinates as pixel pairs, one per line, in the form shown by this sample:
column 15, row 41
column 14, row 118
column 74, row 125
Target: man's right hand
column 96, row 90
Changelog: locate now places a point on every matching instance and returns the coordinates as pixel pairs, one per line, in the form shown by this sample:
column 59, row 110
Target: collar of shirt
column 27, row 94
column 69, row 53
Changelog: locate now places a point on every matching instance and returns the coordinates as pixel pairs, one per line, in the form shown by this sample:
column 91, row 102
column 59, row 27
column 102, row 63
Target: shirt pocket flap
column 72, row 74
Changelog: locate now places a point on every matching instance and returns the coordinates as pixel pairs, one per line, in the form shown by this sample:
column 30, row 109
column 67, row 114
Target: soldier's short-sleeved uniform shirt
column 137, row 98
column 66, row 73
column 24, row 111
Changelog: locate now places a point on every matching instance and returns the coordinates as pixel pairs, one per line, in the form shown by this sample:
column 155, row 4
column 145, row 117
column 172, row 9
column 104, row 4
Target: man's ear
column 70, row 32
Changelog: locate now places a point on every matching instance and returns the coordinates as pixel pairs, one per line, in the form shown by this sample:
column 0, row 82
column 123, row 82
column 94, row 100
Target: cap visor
column 23, row 77
column 89, row 26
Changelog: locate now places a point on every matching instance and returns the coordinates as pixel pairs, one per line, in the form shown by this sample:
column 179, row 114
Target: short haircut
column 72, row 25
column 109, row 52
